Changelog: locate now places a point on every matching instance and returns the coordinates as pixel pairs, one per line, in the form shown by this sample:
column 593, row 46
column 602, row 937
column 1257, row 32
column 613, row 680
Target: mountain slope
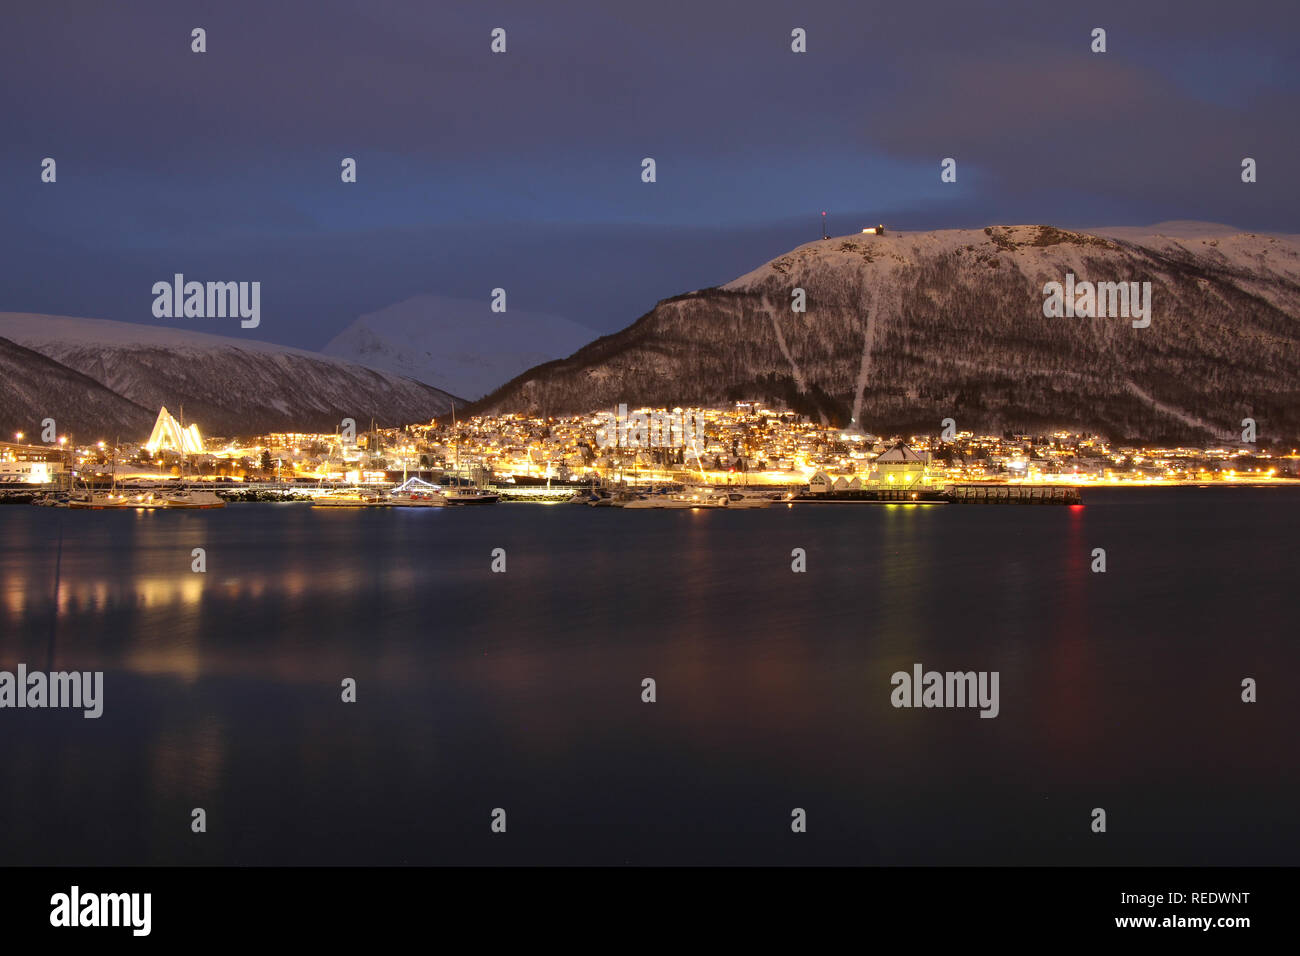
column 227, row 386
column 902, row 331
column 460, row 344
column 36, row 388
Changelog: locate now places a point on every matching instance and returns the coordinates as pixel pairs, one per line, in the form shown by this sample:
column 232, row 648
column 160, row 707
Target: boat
column 189, row 499
column 737, row 499
column 648, row 501
column 417, row 499
column 91, row 500
column 681, row 500
column 460, row 494
column 470, row 496
column 103, row 500
column 619, row 499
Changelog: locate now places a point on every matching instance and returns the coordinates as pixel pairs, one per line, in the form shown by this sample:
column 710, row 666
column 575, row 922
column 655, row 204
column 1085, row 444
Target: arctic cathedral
column 168, row 435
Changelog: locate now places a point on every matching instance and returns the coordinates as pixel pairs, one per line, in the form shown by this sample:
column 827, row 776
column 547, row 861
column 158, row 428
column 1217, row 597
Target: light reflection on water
column 474, row 689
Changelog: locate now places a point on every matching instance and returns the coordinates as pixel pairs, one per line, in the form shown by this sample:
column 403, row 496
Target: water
column 522, row 690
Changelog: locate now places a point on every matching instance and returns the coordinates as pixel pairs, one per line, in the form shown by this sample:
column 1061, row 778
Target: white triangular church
column 168, row 435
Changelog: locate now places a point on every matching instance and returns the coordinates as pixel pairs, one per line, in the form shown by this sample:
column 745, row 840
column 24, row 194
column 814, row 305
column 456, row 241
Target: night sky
column 522, row 170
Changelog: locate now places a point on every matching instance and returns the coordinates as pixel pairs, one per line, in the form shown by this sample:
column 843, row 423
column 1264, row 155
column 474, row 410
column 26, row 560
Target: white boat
column 645, row 501
column 417, row 499
column 103, row 500
column 738, row 499
column 192, row 499
column 684, row 500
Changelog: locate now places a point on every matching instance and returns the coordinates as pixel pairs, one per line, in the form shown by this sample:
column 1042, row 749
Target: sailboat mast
column 455, row 447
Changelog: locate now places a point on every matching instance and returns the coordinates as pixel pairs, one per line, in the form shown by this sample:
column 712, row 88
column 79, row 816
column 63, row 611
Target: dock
column 989, row 494
column 973, row 494
column 919, row 496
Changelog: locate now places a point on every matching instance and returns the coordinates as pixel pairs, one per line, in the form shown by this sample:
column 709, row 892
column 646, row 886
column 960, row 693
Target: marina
column 417, row 493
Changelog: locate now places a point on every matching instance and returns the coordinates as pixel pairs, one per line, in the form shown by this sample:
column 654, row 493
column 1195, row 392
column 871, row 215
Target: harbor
column 418, row 493
column 747, row 458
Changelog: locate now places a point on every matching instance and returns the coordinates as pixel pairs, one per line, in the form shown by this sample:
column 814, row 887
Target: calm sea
column 523, row 690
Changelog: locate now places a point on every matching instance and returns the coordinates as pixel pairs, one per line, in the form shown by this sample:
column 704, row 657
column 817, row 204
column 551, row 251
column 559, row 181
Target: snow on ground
column 34, row 331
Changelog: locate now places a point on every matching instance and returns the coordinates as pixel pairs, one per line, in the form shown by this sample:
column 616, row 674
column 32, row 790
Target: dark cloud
column 523, row 170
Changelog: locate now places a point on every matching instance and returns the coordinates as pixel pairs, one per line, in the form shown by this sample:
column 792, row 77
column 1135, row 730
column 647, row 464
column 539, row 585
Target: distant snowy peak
column 460, row 345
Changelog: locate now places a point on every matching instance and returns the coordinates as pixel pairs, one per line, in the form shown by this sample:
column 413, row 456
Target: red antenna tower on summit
column 824, row 236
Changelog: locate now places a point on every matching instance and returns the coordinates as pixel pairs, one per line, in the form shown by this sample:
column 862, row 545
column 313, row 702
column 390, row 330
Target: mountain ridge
column 228, row 386
column 904, row 330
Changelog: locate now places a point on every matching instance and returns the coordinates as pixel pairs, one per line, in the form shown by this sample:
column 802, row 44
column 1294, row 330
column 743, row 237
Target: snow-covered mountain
column 34, row 388
column 460, row 344
column 904, row 330
column 228, row 386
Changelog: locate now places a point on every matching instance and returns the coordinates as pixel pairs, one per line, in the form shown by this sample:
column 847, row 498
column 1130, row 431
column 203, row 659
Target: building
column 820, row 483
column 168, row 435
column 30, row 464
column 899, row 467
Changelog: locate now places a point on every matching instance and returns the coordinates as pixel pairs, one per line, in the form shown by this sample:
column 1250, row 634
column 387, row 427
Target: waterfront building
column 899, row 467
column 30, row 464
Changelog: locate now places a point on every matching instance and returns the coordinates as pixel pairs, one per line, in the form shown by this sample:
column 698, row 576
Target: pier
column 989, row 494
column 919, row 496
column 986, row 493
